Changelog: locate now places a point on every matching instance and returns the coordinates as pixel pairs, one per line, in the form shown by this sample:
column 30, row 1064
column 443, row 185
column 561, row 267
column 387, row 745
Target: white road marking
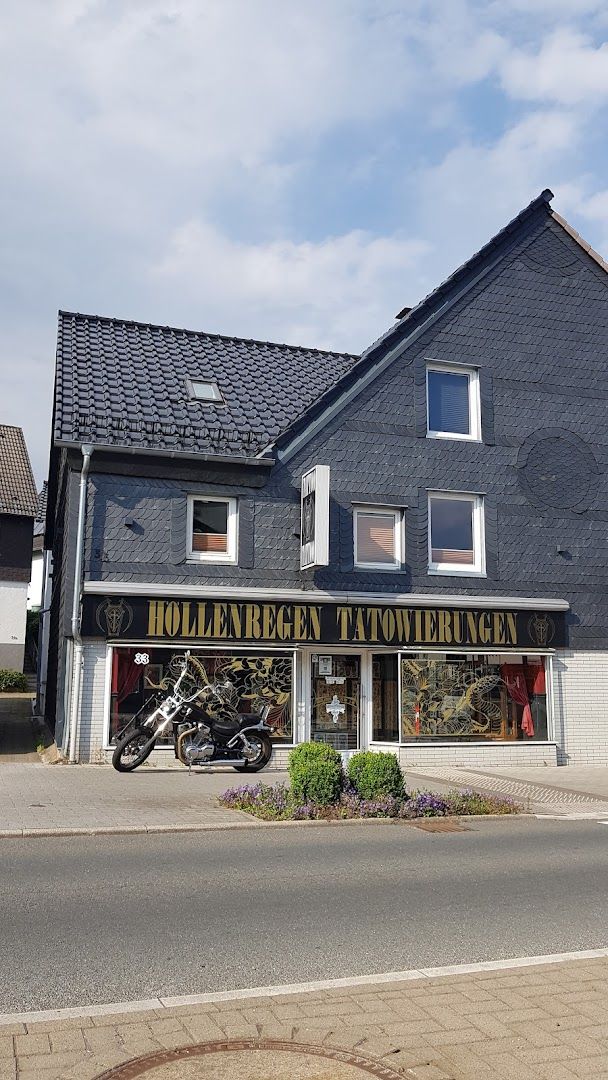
column 298, row 988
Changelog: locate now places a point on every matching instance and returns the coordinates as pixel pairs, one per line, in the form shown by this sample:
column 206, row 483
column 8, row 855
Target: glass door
column 335, row 700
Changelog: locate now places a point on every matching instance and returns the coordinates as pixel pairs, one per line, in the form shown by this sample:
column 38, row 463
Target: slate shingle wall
column 537, row 328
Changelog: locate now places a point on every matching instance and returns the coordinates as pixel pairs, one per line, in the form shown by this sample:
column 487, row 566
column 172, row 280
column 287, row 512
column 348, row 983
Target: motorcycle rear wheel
column 131, row 751
column 260, row 761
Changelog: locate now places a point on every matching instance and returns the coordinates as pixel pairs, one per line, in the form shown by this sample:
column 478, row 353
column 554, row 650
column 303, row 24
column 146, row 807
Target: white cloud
column 337, row 293
column 568, row 69
column 263, row 168
column 478, row 187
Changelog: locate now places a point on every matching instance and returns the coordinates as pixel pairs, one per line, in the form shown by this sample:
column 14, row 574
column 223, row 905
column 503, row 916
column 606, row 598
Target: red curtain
column 535, row 678
column 515, row 681
column 126, row 674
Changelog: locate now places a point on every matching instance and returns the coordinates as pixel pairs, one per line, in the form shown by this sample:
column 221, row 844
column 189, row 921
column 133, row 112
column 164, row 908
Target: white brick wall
column 479, row 755
column 90, row 729
column 580, row 696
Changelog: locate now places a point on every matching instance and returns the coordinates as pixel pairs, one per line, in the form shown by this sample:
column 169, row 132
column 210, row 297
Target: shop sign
column 202, row 621
column 314, row 523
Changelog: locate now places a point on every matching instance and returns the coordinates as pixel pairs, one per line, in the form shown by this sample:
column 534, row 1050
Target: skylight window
column 202, row 390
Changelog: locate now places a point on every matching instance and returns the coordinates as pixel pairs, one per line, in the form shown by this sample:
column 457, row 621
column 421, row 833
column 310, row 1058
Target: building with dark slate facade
column 404, row 550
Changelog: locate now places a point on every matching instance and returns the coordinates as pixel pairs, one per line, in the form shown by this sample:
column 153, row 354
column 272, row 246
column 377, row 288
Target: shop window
column 385, row 698
column 258, row 679
column 212, row 529
column 473, row 697
column 456, row 534
column 453, row 410
column 377, row 538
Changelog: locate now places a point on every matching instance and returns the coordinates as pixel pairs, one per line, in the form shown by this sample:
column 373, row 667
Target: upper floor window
column 212, row 529
column 456, row 533
column 453, row 409
column 378, row 540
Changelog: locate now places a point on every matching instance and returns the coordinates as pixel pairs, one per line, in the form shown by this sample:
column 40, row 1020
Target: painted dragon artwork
column 257, row 680
column 448, row 699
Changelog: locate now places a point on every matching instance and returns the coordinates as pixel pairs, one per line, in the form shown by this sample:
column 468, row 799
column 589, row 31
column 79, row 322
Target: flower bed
column 275, row 802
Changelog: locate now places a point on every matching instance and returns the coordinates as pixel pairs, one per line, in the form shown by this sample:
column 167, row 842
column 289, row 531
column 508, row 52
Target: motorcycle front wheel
column 132, row 750
column 262, row 749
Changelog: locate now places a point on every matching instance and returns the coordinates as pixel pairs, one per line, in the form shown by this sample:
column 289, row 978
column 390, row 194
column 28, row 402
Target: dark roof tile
column 124, row 383
column 17, row 489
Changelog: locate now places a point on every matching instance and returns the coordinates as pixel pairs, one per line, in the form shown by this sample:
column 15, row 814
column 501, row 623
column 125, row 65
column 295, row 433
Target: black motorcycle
column 207, row 729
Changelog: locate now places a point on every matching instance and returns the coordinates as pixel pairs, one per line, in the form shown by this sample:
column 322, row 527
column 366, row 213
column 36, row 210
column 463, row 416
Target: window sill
column 198, row 561
column 454, row 572
column 453, row 435
column 377, row 568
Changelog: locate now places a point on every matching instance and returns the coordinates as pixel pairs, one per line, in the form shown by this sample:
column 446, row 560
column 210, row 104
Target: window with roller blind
column 453, row 407
column 212, row 529
column 377, row 538
column 456, row 533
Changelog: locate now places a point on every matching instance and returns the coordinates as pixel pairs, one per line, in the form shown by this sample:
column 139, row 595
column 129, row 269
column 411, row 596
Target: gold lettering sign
column 222, row 620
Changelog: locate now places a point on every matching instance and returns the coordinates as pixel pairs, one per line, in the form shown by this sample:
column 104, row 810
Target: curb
column 161, row 1002
column 141, row 830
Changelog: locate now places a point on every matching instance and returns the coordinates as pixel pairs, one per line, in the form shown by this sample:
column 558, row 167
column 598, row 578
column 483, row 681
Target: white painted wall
column 13, row 608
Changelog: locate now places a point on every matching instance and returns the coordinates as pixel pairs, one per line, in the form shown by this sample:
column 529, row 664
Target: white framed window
column 212, row 529
column 378, row 538
column 453, row 408
column 456, row 533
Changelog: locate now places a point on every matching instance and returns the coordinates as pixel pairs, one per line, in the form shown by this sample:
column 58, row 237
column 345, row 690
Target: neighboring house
column 35, row 590
column 18, row 506
column 404, row 550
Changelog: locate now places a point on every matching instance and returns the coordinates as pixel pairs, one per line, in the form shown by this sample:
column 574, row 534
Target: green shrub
column 374, row 774
column 315, row 773
column 12, row 681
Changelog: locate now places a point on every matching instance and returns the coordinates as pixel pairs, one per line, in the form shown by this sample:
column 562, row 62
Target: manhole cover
column 252, row 1059
column 440, row 825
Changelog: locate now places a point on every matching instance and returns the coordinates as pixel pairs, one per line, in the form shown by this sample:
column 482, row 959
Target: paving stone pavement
column 541, row 1022
column 555, row 791
column 36, row 796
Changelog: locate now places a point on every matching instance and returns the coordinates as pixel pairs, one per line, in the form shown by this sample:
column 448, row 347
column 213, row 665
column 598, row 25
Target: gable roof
column 124, row 384
column 414, row 322
column 17, row 488
column 40, row 519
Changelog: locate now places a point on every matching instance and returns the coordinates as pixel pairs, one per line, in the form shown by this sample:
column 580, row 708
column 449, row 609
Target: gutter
column 77, row 655
column 183, row 455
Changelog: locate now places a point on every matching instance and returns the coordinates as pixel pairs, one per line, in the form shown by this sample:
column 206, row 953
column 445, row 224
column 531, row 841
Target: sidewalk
column 573, row 791
column 539, row 1022
column 38, row 799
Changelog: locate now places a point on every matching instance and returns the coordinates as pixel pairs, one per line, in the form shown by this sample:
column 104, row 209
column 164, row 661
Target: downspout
column 77, row 653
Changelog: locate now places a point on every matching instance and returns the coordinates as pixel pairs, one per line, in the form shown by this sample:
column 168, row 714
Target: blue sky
column 276, row 169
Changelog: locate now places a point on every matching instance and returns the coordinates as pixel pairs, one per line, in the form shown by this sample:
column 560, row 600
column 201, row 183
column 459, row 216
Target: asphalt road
column 104, row 919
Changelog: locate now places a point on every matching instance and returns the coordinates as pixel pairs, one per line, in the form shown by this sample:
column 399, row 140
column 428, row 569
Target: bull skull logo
column 541, row 629
column 114, row 617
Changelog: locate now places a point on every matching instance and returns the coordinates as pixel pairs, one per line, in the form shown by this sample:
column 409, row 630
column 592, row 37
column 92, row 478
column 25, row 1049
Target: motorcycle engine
column 194, row 744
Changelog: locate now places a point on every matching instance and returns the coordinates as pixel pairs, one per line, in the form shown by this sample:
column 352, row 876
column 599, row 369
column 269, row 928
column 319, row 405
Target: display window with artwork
column 458, row 696
column 140, row 675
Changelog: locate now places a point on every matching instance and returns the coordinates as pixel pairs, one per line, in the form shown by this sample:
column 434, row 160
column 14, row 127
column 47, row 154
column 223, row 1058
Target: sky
column 276, row 169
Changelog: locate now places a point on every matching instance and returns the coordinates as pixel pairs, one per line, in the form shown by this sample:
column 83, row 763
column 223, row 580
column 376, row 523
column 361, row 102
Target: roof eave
column 113, row 448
